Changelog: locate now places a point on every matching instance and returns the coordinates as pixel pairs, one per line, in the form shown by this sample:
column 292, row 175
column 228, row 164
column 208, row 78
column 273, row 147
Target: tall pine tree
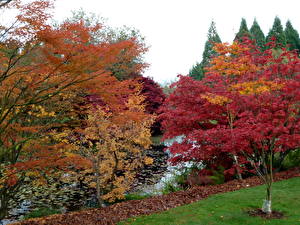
column 278, row 33
column 198, row 71
column 212, row 37
column 243, row 31
column 257, row 34
column 292, row 37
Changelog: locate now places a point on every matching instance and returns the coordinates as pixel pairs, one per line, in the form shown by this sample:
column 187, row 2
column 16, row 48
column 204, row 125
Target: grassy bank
column 231, row 208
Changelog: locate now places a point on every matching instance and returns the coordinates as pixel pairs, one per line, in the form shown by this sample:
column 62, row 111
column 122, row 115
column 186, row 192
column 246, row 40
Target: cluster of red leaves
column 121, row 211
column 154, row 98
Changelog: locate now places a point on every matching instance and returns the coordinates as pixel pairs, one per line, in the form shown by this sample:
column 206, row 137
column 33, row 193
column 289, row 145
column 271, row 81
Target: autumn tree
column 198, row 71
column 130, row 63
column 246, row 107
column 106, row 137
column 42, row 64
column 113, row 143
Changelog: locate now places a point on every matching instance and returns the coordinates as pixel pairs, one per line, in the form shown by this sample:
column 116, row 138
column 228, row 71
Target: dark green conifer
column 278, row 33
column 292, row 37
column 198, row 71
column 212, row 37
column 257, row 34
column 243, row 31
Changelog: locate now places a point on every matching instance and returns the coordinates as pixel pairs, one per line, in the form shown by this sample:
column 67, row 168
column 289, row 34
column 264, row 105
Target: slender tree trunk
column 99, row 191
column 235, row 158
column 98, row 184
column 4, row 198
column 267, row 204
column 264, row 171
column 238, row 172
column 268, row 164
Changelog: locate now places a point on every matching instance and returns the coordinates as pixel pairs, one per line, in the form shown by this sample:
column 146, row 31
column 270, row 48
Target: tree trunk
column 98, row 182
column 265, row 172
column 268, row 163
column 4, row 198
column 267, row 207
column 238, row 172
column 99, row 192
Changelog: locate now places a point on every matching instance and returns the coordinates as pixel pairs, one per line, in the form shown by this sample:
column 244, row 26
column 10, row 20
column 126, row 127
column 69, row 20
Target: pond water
column 16, row 213
column 171, row 172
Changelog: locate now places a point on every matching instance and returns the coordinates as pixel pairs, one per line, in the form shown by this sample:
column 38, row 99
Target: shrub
column 170, row 187
column 218, row 176
column 292, row 160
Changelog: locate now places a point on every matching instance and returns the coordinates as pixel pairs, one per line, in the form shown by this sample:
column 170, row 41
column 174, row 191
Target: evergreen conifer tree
column 212, row 37
column 198, row 71
column 243, row 31
column 257, row 34
column 278, row 33
column 292, row 37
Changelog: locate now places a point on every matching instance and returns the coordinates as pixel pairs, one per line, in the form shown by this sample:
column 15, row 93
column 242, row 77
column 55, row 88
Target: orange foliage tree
column 111, row 144
column 40, row 66
column 130, row 63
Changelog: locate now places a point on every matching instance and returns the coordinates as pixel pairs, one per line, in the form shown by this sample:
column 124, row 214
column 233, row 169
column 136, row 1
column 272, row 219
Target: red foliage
column 154, row 98
column 248, row 105
column 153, row 93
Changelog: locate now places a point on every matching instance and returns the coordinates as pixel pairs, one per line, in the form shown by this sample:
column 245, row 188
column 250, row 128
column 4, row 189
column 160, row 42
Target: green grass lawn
column 230, row 208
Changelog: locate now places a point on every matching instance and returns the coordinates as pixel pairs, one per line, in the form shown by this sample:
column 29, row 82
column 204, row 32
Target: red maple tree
column 247, row 106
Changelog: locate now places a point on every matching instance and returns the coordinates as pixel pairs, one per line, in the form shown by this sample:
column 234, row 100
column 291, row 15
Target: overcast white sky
column 176, row 29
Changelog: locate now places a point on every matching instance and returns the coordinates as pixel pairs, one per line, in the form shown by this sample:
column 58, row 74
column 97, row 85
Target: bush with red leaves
column 154, row 99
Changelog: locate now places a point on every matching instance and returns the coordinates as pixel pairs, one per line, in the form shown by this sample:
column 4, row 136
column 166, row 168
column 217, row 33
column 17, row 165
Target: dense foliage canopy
column 47, row 75
column 247, row 106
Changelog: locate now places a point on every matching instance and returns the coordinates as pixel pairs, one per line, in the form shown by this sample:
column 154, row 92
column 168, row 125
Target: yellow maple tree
column 113, row 143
